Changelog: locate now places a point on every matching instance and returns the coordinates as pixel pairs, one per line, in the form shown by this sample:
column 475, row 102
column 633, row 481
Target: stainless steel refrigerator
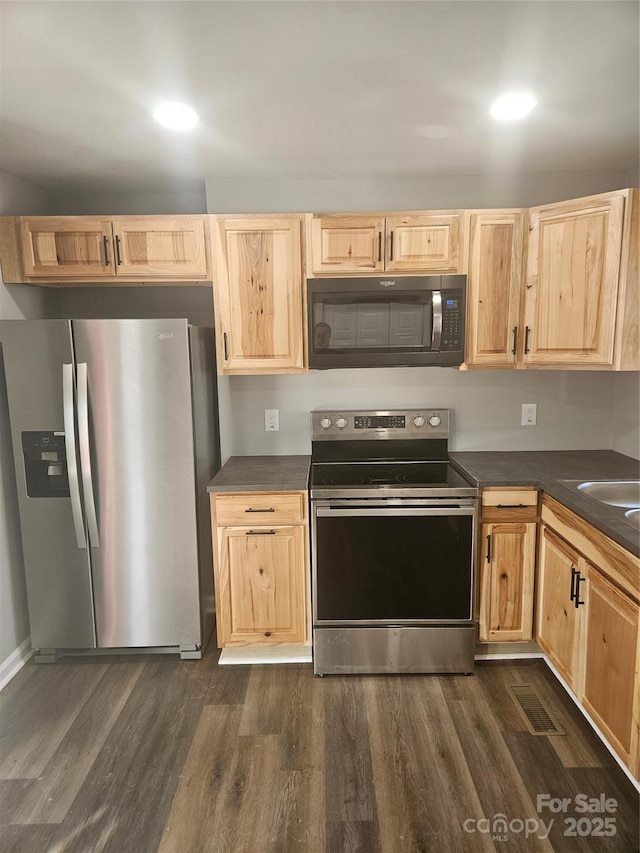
column 114, row 426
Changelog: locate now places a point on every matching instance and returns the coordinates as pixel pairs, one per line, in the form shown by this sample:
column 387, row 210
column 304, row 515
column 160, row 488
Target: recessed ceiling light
column 176, row 116
column 513, row 105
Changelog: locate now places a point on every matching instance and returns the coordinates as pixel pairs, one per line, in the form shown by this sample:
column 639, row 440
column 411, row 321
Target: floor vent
column 539, row 720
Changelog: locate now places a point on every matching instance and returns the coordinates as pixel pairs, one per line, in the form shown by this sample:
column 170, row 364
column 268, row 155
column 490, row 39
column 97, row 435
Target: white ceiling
column 312, row 90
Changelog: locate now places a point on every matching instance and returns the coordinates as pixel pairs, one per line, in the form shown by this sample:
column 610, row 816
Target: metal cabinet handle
column 259, row 509
column 511, row 506
column 85, row 454
column 489, row 548
column 70, row 448
column 391, row 246
column 515, row 340
column 526, row 339
column 576, row 599
column 118, row 258
column 226, row 348
column 105, row 246
column 260, row 533
column 379, row 245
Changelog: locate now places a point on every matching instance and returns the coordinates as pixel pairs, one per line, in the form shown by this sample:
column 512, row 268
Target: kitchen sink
column 633, row 517
column 620, row 495
column 623, row 493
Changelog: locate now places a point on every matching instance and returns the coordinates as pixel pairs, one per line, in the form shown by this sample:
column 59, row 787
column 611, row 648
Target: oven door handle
column 398, row 512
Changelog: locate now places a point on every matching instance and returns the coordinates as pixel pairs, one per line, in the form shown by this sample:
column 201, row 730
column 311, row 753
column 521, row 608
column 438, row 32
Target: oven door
column 387, row 563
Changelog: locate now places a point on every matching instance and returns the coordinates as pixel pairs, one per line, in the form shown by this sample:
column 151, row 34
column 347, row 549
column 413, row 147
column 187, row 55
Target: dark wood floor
column 153, row 754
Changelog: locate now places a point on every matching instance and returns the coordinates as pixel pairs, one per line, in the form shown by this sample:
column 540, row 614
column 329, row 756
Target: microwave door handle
column 85, row 454
column 70, row 450
column 436, row 333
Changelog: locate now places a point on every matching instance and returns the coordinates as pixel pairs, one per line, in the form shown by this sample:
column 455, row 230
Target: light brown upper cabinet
column 494, row 279
column 258, row 294
column 400, row 242
column 581, row 295
column 76, row 249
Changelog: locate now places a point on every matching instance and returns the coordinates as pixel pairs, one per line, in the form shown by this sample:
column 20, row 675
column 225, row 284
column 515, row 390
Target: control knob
column 341, row 422
column 325, row 423
column 434, row 421
column 418, row 421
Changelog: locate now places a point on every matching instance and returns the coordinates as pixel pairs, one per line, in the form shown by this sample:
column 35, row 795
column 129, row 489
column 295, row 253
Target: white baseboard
column 265, row 654
column 14, row 663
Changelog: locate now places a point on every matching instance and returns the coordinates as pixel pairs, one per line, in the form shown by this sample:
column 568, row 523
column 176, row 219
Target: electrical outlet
column 529, row 414
column 271, row 420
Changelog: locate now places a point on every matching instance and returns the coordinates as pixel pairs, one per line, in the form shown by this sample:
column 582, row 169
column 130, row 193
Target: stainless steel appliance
column 387, row 322
column 115, row 437
column 393, row 527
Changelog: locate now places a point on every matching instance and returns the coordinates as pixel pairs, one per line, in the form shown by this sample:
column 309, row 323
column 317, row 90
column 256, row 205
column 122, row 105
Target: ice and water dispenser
column 45, row 464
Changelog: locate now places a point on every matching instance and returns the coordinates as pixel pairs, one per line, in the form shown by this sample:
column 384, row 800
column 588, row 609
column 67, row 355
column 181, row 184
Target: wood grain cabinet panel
column 423, row 243
column 572, row 281
column 69, row 250
column 420, row 242
column 507, row 563
column 559, row 620
column 346, row 243
column 596, row 645
column 494, row 279
column 160, row 247
column 261, row 568
column 258, row 295
column 611, row 683
column 507, row 581
column 262, row 589
column 67, row 246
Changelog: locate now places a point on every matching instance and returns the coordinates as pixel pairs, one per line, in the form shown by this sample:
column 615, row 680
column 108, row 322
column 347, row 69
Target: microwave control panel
column 451, row 324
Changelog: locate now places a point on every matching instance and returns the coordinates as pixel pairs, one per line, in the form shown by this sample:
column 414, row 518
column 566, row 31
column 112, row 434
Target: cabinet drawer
column 509, row 504
column 259, row 508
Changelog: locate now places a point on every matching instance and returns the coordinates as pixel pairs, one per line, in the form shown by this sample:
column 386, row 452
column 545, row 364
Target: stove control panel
column 366, row 425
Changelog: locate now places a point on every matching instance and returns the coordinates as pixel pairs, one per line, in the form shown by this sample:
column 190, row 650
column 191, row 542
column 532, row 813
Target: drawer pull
column 260, row 509
column 489, row 549
column 260, row 533
column 512, row 506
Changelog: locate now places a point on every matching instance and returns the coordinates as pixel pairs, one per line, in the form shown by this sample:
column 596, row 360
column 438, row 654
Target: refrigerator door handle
column 70, row 448
column 85, row 454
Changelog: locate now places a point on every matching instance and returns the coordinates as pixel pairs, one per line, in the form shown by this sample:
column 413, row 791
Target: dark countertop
column 262, row 474
column 543, row 469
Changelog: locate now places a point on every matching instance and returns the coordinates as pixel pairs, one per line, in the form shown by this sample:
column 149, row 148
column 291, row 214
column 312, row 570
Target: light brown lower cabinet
column 588, row 623
column 507, row 564
column 260, row 568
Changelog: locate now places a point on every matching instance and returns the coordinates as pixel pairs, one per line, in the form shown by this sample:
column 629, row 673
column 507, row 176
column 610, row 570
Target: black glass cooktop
column 383, row 474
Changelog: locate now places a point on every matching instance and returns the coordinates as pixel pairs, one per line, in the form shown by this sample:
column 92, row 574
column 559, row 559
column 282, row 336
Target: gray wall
column 16, row 302
column 414, row 193
column 625, row 414
column 574, row 408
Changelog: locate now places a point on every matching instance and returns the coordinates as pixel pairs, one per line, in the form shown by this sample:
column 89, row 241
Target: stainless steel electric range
column 393, row 527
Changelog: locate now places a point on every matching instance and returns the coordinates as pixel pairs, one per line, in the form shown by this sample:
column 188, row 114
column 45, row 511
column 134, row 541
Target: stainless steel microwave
column 387, row 321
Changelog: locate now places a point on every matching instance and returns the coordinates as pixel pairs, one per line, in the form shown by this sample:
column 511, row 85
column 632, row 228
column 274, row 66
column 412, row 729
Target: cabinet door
column 258, row 295
column 423, row 243
column 341, row 244
column 611, row 685
column 262, row 586
column 506, row 595
column 493, row 287
column 160, row 248
column 572, row 282
column 559, row 620
column 67, row 247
